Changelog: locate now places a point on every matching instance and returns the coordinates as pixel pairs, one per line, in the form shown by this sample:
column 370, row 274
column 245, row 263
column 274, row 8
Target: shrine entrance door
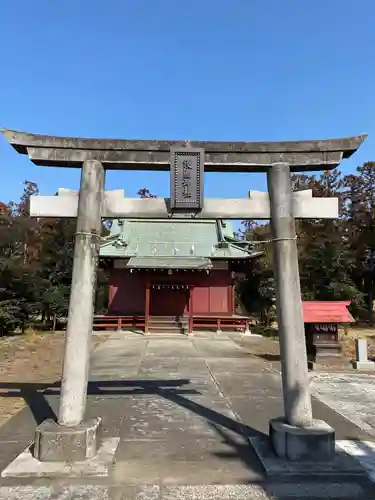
column 169, row 301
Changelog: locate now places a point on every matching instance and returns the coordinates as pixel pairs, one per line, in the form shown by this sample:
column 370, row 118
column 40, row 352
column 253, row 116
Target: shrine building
column 173, row 269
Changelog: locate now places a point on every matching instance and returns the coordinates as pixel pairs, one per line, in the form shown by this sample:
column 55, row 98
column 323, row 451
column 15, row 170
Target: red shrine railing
column 218, row 322
column 118, row 322
column 193, row 322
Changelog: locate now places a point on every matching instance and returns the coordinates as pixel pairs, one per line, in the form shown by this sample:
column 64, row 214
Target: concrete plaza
column 181, row 416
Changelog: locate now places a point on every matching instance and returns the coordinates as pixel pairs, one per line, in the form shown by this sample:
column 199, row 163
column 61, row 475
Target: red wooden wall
column 126, row 293
column 211, row 293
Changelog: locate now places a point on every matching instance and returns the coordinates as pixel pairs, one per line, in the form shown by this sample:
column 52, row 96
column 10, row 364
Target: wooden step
column 164, row 318
column 164, row 323
column 165, row 329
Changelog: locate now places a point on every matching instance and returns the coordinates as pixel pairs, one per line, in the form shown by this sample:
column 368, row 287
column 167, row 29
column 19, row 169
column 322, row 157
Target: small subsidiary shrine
column 174, row 267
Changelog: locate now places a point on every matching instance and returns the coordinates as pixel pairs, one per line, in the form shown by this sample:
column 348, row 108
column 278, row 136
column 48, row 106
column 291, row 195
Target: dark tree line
column 336, row 257
column 36, row 259
column 35, row 264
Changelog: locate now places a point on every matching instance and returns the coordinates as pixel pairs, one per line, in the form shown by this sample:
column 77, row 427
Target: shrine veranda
column 294, row 436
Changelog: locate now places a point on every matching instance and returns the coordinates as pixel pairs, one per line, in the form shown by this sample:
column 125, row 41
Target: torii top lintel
column 133, row 154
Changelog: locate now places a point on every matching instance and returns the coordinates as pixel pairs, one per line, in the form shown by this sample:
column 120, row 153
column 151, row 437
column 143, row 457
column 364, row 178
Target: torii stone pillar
column 296, row 436
column 297, row 401
column 72, row 438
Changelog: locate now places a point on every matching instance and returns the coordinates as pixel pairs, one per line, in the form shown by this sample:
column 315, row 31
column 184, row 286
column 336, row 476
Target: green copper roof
column 172, row 238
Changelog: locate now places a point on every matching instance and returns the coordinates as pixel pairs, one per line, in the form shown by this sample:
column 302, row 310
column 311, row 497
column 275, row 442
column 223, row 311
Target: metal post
column 81, row 304
column 297, row 399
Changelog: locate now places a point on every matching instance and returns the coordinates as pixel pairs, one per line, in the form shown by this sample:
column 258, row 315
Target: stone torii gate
column 296, row 436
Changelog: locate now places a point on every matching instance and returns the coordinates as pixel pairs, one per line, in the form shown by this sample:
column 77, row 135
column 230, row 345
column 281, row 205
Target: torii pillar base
column 59, row 443
column 313, row 443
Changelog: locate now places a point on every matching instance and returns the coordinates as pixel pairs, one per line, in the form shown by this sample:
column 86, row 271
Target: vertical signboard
column 187, row 176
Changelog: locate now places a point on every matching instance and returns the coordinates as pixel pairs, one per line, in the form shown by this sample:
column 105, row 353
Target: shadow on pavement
column 268, row 356
column 172, row 390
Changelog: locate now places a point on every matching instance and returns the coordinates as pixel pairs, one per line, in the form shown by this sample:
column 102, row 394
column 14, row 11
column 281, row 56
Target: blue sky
column 244, row 70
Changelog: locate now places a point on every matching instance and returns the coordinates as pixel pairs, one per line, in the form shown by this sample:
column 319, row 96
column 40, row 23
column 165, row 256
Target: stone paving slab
column 251, row 412
column 351, row 395
column 108, row 372
column 363, row 451
column 344, row 428
column 342, row 465
column 182, row 472
column 199, row 375
column 220, row 350
column 25, row 465
column 248, row 390
column 238, row 366
column 159, row 417
column 176, row 348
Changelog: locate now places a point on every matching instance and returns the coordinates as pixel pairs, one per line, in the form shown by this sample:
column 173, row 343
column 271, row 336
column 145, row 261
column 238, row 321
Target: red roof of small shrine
column 326, row 312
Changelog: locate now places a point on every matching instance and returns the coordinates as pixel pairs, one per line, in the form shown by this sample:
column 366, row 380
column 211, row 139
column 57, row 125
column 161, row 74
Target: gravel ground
column 30, row 358
column 268, row 348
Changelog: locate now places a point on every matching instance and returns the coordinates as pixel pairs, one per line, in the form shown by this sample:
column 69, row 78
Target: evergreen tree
column 359, row 214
